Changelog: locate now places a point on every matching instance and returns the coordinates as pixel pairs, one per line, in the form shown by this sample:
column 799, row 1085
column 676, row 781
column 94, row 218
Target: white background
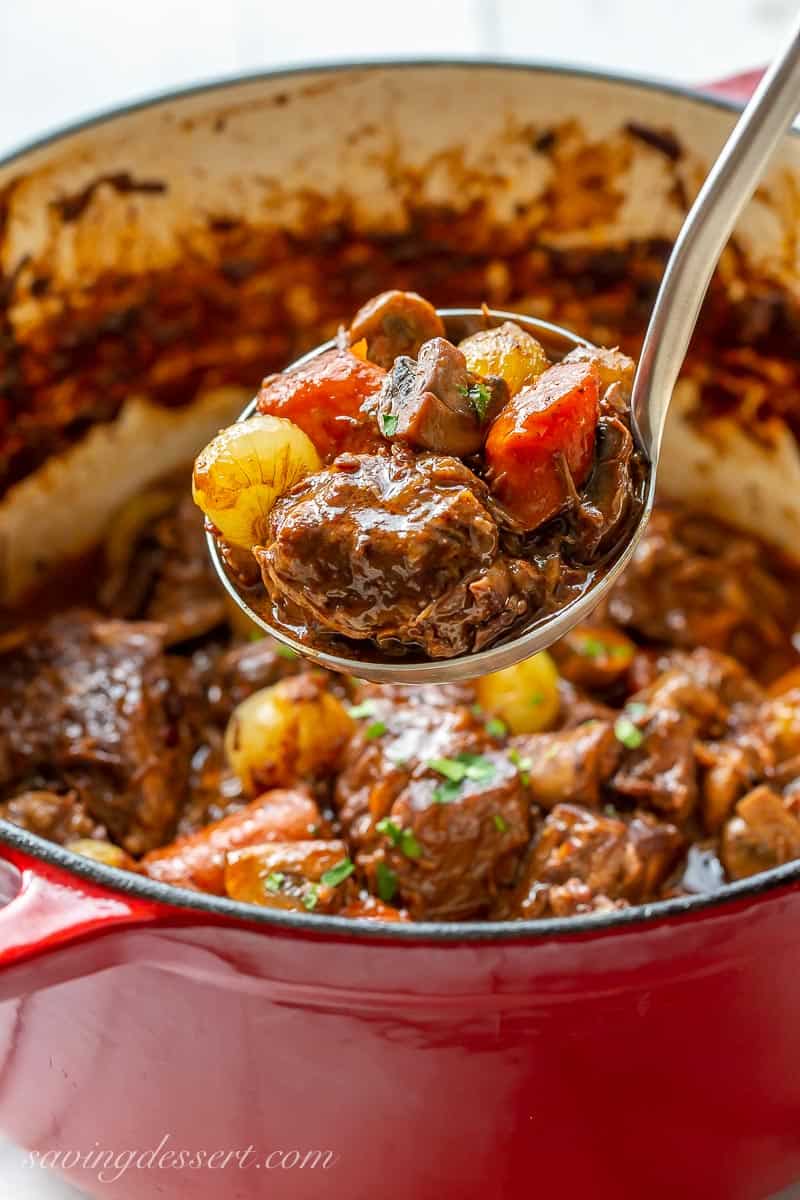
column 64, row 59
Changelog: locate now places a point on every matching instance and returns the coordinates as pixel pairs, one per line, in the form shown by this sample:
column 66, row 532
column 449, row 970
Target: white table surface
column 61, row 61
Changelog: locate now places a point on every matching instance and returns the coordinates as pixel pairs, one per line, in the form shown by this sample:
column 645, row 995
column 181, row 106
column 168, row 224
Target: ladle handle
column 705, row 232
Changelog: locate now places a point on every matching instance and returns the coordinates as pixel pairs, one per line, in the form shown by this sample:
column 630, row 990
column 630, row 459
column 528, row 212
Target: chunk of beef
column 603, row 507
column 659, row 771
column 569, row 765
column 475, row 611
column 598, row 859
column 365, row 547
column 447, row 856
column 764, row 833
column 444, row 843
column 436, row 403
column 60, row 817
column 710, row 687
column 93, row 705
column 420, row 724
column 395, row 323
column 764, row 745
column 693, row 582
column 730, row 769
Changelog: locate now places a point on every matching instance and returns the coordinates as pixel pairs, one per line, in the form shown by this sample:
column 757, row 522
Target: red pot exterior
column 657, row 1060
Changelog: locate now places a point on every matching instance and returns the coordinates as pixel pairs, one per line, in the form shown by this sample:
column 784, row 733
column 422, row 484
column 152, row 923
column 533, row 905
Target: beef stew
column 654, row 753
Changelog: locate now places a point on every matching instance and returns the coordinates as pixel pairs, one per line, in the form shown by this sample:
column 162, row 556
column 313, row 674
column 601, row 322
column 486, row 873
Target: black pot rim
column 186, row 902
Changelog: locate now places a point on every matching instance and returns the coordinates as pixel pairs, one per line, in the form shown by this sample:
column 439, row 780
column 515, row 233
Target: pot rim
column 181, row 899
column 216, row 83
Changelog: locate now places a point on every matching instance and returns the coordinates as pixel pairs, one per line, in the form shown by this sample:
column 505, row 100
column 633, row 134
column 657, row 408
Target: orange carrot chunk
column 543, row 442
column 197, row 861
column 324, row 398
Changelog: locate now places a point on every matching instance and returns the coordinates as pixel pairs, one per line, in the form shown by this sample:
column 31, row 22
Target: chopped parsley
column 388, row 829
column 409, row 844
column 255, row 635
column 387, row 882
column 523, row 766
column 496, row 728
column 403, row 838
column 375, row 730
column 311, row 897
column 445, row 793
column 627, row 733
column 387, row 423
column 463, row 766
column 500, row 823
column 536, row 699
column 285, row 651
column 635, row 710
column 479, row 396
column 592, row 647
column 477, row 710
column 274, row 880
column 336, row 875
column 366, row 709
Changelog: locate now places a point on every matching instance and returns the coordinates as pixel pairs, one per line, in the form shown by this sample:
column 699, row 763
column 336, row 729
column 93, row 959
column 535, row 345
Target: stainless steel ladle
column 702, row 238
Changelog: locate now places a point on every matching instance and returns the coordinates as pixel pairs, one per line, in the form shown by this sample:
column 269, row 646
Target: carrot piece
column 198, row 860
column 544, row 435
column 324, row 398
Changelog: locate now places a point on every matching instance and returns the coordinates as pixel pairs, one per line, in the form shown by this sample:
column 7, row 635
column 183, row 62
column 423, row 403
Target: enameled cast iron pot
column 653, row 1053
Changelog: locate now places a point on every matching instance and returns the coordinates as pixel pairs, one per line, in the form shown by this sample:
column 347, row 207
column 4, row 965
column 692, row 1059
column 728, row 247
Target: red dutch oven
column 649, row 1054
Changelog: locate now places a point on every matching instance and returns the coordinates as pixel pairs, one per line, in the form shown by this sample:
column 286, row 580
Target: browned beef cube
column 659, row 771
column 420, row 723
column 613, row 860
column 447, row 845
column 570, row 764
column 764, row 833
column 92, row 705
column 60, row 817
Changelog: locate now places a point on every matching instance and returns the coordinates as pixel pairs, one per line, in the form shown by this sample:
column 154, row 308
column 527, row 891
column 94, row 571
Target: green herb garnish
column 500, row 823
column 285, row 651
column 337, row 874
column 403, row 838
column 592, row 647
column 463, row 766
column 255, row 635
column 636, row 710
column 523, row 765
column 311, row 897
column 627, row 733
column 409, row 844
column 387, row 423
column 496, row 728
column 366, row 709
column 274, row 880
column 479, row 396
column 375, row 730
column 387, row 882
column 536, row 699
column 447, row 792
column 388, row 829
